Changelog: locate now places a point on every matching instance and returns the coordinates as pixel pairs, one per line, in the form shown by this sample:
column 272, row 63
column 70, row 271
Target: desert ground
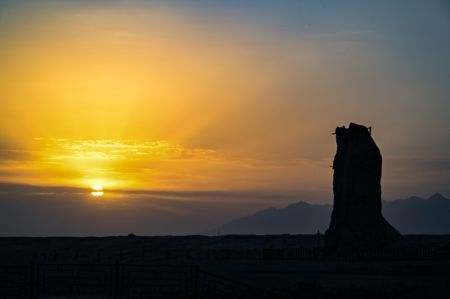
column 279, row 266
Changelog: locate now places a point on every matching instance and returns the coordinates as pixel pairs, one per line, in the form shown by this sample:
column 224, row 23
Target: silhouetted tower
column 356, row 222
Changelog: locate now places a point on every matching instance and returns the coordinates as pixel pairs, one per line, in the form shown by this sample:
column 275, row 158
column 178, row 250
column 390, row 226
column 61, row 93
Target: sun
column 97, row 190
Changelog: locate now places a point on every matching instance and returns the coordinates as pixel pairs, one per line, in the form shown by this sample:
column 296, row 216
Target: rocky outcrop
column 356, row 221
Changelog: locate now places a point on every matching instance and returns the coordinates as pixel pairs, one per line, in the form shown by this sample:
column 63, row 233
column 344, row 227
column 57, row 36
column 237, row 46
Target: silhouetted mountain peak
column 298, row 204
column 437, row 197
column 298, row 217
column 291, row 207
column 412, row 215
column 414, row 198
column 265, row 211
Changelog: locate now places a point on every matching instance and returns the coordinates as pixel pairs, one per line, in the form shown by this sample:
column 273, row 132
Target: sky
column 220, row 107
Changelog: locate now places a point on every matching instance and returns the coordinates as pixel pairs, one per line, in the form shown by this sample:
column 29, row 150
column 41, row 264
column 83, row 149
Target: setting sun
column 97, row 191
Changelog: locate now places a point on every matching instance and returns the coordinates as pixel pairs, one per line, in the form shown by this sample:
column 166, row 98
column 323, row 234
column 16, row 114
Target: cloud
column 48, row 210
column 108, row 149
column 160, row 165
column 14, row 155
column 420, row 165
column 104, row 159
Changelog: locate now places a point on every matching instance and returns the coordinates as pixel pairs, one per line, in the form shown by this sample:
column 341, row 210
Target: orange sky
column 165, row 97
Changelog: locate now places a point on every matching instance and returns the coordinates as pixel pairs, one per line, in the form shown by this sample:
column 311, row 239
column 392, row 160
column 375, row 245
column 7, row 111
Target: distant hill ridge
column 412, row 215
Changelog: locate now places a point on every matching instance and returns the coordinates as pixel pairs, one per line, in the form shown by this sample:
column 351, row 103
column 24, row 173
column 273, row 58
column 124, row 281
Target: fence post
column 196, row 287
column 33, row 280
column 116, row 287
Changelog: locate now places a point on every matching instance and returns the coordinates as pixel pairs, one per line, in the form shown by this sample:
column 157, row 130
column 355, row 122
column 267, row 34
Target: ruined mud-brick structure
column 357, row 224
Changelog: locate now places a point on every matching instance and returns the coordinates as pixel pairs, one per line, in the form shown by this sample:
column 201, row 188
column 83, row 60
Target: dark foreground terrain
column 279, row 266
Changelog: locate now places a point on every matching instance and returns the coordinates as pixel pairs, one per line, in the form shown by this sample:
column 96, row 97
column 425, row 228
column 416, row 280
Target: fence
column 405, row 253
column 294, row 253
column 215, row 286
column 118, row 281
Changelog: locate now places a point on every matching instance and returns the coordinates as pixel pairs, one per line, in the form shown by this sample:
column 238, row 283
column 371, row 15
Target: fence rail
column 36, row 281
column 218, row 287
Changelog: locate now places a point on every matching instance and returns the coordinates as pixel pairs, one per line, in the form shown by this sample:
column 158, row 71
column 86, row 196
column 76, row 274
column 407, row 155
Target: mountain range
column 413, row 215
